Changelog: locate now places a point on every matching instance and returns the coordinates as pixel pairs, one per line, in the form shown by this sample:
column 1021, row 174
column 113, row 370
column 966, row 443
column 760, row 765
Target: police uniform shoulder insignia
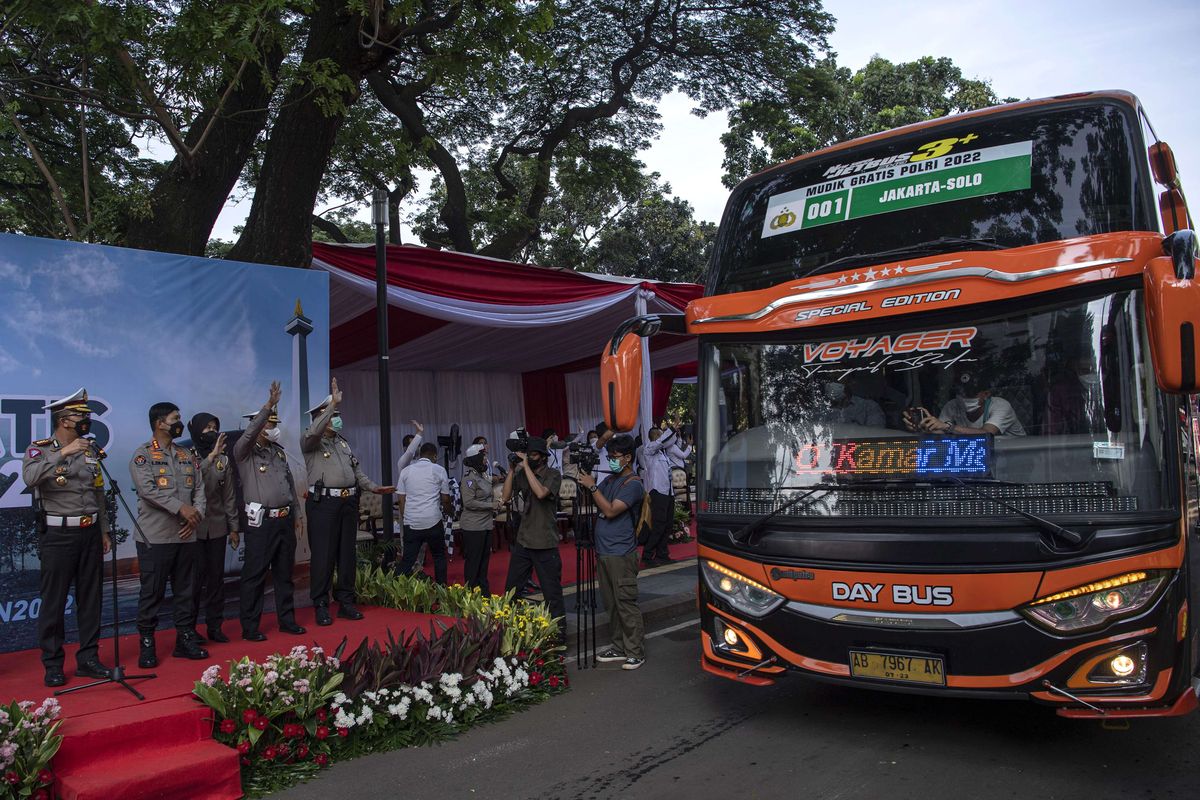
column 139, row 460
column 344, row 445
column 33, row 452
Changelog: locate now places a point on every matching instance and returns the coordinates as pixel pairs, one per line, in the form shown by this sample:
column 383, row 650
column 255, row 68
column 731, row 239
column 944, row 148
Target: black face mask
column 535, row 463
column 176, row 430
column 475, row 462
column 83, row 427
column 206, row 441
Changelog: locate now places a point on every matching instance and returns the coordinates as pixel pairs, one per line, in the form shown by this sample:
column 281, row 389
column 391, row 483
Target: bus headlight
column 1095, row 604
column 746, row 595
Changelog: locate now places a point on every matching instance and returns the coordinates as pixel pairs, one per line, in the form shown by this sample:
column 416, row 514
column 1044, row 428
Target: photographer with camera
column 619, row 500
column 536, row 547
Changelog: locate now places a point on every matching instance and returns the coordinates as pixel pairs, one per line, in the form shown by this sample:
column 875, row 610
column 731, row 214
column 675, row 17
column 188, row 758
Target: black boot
column 215, row 634
column 147, row 658
column 186, row 646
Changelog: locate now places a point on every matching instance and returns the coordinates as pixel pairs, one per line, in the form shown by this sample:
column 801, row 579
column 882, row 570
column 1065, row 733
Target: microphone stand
column 117, row 674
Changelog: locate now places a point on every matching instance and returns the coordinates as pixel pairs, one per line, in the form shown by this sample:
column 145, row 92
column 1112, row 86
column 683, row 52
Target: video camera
column 583, row 455
column 518, row 442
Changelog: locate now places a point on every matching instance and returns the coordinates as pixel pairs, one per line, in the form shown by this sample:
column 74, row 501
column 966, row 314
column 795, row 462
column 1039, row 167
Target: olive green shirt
column 539, row 518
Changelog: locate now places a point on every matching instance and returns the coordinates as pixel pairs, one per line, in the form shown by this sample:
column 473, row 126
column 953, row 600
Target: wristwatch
column 595, row 487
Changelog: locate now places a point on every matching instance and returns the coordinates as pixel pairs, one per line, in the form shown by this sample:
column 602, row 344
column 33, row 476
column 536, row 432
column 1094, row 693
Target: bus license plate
column 896, row 667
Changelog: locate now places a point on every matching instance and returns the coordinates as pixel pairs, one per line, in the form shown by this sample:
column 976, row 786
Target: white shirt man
column 423, row 485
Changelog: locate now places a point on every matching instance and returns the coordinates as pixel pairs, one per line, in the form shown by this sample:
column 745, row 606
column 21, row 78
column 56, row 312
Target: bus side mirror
column 1173, row 313
column 621, row 382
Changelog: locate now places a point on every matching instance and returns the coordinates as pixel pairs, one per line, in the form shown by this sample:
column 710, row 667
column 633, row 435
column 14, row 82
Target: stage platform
column 117, row 747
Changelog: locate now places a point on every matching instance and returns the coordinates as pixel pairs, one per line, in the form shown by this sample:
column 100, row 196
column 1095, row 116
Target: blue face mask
column 614, row 465
column 337, row 424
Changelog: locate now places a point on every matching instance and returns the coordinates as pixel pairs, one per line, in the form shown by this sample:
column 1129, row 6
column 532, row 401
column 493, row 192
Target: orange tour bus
column 945, row 426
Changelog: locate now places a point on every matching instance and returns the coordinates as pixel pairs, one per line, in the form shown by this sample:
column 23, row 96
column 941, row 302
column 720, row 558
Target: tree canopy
column 134, row 123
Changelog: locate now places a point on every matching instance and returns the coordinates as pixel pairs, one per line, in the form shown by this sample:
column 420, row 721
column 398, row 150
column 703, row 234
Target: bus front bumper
column 1012, row 659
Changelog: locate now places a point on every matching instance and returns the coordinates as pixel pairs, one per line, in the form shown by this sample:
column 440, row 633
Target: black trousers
column 70, row 555
column 209, row 595
column 662, row 514
column 435, row 538
column 160, row 564
column 332, row 535
column 271, row 546
column 548, row 565
column 477, row 549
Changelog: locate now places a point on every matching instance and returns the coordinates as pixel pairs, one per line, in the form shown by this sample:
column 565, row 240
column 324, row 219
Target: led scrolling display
column 902, row 457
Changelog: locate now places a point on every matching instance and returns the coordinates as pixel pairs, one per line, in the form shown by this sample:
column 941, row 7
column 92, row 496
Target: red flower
column 343, row 731
column 322, row 732
column 244, row 747
column 535, row 678
column 269, row 753
column 321, row 759
column 537, row 651
column 521, row 655
column 45, row 776
column 228, row 726
column 302, row 751
column 539, row 662
column 261, row 723
column 321, row 714
column 40, row 794
column 284, row 749
column 12, row 777
column 249, row 715
column 553, row 681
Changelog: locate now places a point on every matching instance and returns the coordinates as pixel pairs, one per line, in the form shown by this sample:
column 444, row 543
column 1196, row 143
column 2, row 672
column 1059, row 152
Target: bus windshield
column 1055, row 410
column 985, row 183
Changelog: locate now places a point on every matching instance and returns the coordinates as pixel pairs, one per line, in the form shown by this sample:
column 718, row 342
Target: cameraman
column 619, row 500
column 536, row 547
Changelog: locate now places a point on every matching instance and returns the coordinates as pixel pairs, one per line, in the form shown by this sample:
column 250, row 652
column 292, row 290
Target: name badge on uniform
column 90, row 460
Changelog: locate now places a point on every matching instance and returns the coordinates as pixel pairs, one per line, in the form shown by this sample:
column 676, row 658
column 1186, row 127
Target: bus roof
column 1113, row 94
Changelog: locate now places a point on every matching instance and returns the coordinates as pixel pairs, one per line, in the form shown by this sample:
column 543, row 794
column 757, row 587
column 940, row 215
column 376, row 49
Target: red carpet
column 117, row 747
column 498, row 565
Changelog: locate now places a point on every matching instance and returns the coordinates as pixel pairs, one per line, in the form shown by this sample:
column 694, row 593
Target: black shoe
column 55, row 676
column 348, row 611
column 216, row 635
column 199, row 639
column 186, row 646
column 323, row 618
column 292, row 628
column 255, row 636
column 93, row 669
column 147, row 658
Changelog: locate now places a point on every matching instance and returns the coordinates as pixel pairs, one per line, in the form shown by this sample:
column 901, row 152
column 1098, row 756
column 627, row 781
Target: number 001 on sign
column 897, row 667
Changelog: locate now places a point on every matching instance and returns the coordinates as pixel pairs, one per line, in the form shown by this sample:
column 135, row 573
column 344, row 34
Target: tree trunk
column 279, row 227
column 185, row 202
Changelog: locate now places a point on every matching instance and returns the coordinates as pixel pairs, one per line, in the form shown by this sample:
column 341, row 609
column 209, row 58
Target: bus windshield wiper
column 1053, row 528
column 940, row 245
column 743, row 534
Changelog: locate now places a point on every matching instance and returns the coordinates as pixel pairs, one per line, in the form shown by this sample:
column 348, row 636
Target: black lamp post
column 379, row 215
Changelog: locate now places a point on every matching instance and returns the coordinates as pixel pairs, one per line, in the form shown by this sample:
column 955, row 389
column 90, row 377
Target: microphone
column 91, row 440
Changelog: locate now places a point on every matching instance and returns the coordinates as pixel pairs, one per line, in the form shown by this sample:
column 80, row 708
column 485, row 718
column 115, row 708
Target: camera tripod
column 583, row 521
column 117, row 673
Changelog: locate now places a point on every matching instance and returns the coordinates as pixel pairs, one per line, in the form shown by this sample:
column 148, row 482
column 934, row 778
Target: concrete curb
column 654, row 611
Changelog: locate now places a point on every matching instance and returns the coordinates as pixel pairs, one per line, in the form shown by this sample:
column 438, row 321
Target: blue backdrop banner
column 136, row 328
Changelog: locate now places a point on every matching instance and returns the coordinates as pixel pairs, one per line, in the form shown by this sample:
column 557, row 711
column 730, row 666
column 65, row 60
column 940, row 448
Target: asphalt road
column 669, row 730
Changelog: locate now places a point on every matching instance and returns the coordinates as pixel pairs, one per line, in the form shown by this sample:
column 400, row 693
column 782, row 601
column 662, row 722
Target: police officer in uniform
column 335, row 479
column 220, row 523
column 171, row 505
column 270, row 495
column 63, row 472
